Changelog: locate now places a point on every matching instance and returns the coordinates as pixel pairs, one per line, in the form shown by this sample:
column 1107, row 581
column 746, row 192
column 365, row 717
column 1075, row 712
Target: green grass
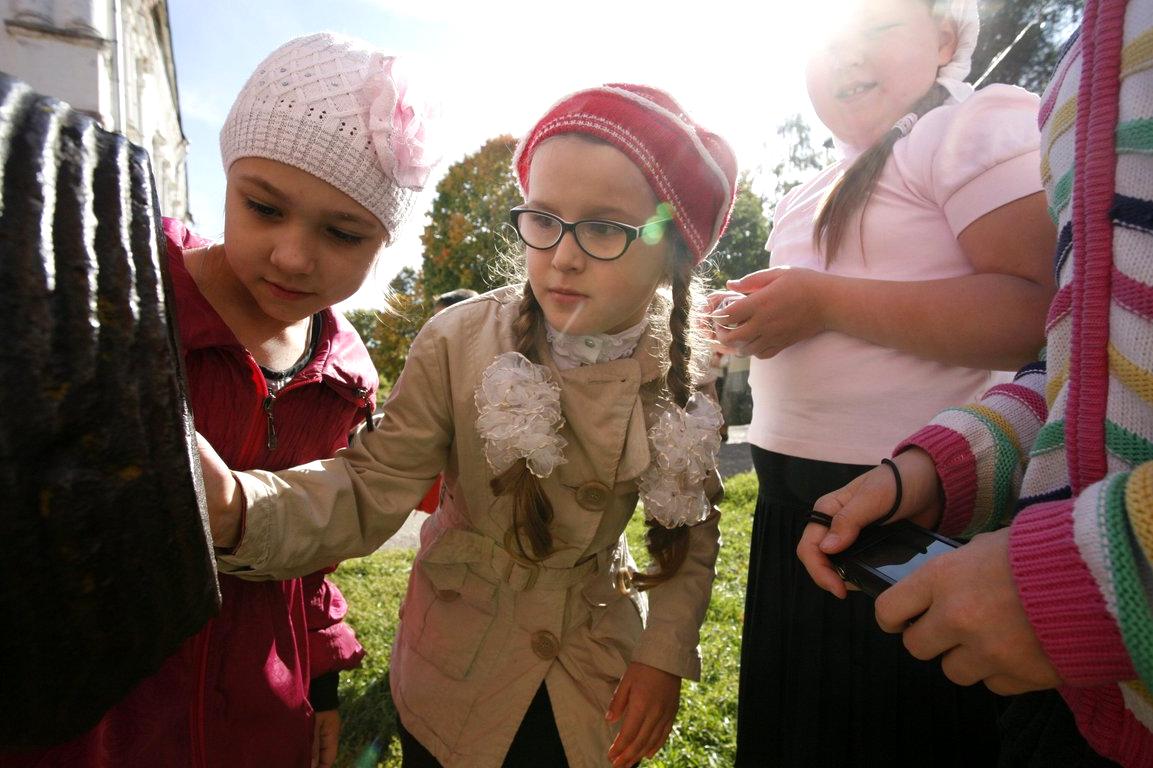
column 705, row 732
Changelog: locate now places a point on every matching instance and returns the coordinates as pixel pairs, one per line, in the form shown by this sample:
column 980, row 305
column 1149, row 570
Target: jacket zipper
column 269, row 401
column 364, row 402
column 198, row 716
column 366, row 408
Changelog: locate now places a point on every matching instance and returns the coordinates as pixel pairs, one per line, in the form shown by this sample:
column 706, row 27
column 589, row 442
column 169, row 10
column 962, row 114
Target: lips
column 285, row 292
column 854, row 89
column 566, row 293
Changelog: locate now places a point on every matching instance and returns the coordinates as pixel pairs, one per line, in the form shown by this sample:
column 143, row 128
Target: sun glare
column 798, row 28
column 739, row 70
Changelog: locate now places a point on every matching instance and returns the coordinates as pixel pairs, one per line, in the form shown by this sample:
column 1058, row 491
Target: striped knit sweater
column 1064, row 454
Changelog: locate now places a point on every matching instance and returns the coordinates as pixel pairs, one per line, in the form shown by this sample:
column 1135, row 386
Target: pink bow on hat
column 398, row 119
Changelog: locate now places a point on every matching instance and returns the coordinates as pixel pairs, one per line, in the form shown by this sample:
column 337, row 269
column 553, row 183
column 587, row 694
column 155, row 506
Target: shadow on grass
column 369, row 726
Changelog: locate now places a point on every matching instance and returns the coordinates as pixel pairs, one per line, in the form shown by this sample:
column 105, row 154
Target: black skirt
column 821, row 684
column 1038, row 731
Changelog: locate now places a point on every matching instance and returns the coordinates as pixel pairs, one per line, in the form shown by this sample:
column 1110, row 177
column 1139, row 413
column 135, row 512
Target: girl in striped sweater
column 1053, row 474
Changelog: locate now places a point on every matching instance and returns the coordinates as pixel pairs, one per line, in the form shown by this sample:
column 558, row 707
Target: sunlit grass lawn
column 705, row 733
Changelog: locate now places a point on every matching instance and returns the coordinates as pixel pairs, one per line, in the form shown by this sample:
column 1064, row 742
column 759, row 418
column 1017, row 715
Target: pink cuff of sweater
column 956, row 469
column 1062, row 599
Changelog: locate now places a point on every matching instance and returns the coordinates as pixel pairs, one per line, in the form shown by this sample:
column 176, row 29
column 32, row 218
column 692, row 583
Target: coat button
column 545, row 645
column 624, row 580
column 448, row 595
column 593, row 496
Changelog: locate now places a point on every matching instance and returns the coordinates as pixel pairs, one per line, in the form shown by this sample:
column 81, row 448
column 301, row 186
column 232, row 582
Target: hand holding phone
column 884, row 554
column 970, row 614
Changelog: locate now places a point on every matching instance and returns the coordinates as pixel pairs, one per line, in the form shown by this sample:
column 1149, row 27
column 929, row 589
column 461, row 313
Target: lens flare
column 654, row 228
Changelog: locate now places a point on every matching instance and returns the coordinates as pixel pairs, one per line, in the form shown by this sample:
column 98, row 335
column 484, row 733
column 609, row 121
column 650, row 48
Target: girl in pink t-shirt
column 901, row 279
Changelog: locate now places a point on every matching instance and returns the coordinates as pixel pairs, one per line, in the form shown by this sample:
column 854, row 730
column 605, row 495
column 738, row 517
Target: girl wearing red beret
column 527, row 636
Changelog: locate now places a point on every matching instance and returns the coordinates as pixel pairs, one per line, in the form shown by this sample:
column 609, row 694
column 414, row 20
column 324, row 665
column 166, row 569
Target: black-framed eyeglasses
column 601, row 239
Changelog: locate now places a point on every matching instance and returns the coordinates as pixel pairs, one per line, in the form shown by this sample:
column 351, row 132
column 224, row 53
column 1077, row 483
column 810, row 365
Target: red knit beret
column 691, row 169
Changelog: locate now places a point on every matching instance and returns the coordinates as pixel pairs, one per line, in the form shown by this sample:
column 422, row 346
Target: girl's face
column 575, row 178
column 882, row 57
column 296, row 243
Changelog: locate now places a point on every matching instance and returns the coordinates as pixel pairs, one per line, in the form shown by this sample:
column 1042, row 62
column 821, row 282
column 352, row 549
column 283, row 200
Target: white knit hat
column 340, row 110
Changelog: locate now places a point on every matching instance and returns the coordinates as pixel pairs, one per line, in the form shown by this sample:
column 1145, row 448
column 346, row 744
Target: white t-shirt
column 835, row 397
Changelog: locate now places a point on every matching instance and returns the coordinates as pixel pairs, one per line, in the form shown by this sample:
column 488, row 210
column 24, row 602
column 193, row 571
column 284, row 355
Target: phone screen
column 897, row 556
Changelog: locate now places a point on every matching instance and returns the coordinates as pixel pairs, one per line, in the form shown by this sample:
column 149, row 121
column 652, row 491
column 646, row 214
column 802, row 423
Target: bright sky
column 734, row 65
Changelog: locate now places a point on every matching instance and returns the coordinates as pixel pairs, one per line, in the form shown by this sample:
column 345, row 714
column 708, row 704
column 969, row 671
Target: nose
column 294, row 251
column 567, row 256
column 846, row 53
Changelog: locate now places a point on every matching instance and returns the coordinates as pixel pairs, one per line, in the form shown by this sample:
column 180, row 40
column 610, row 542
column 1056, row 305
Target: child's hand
column 648, row 698
column 325, row 738
column 221, row 494
column 969, row 613
column 784, row 305
column 866, row 499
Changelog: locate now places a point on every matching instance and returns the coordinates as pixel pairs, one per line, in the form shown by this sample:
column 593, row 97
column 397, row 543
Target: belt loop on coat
column 526, row 571
column 519, row 577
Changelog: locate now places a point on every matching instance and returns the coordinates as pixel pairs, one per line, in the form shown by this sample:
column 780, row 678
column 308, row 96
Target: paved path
column 734, row 459
column 408, row 537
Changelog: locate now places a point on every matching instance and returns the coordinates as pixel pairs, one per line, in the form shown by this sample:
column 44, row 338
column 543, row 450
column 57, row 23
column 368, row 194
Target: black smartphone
column 883, row 555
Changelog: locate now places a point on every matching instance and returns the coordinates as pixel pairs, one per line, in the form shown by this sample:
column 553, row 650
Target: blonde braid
column 532, row 511
column 670, row 546
column 526, row 327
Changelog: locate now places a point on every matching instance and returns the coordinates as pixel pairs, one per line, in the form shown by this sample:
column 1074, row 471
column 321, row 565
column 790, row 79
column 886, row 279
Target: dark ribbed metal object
column 105, row 559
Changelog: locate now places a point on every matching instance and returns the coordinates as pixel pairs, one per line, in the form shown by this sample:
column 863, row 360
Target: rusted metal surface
column 105, row 559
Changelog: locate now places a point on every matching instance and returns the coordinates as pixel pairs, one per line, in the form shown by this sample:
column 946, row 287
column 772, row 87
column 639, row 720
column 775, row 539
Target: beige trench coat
column 480, row 630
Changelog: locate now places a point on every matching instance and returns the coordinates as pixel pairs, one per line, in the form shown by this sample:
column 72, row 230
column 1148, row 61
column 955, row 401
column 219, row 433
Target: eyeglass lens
column 600, row 239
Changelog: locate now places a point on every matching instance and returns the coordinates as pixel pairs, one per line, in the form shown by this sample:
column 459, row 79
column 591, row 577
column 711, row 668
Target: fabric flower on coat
column 398, row 119
column 685, row 443
column 520, row 415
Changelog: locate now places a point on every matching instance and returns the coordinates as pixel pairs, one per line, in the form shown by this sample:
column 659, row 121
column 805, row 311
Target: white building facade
column 113, row 60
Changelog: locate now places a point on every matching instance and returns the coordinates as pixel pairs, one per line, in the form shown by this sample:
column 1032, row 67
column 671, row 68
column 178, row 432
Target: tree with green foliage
column 801, row 159
column 365, row 322
column 388, row 334
column 742, row 248
column 468, row 229
column 1045, row 25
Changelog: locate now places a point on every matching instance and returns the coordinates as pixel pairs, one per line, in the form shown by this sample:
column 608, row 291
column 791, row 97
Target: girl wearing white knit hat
column 902, row 278
column 324, row 151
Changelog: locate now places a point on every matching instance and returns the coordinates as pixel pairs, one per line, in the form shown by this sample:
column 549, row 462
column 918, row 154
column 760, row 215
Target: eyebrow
column 349, row 217
column 265, row 185
column 608, row 213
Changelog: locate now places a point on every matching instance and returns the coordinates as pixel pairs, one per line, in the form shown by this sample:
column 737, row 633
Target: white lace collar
column 520, row 417
column 574, row 351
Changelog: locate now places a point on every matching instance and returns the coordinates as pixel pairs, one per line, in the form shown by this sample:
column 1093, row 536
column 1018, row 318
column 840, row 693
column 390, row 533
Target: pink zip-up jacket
column 236, row 694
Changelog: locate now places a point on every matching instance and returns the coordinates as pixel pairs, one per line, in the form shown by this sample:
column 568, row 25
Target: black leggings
column 536, row 744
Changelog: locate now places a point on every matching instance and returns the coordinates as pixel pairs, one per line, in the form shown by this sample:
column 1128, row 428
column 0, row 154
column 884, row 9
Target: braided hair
column 532, row 510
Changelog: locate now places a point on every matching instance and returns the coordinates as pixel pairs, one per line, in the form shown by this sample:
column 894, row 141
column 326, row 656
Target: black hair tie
column 900, row 491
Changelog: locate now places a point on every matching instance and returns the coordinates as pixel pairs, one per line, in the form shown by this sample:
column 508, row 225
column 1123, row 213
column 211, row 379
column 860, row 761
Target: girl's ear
column 946, row 42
